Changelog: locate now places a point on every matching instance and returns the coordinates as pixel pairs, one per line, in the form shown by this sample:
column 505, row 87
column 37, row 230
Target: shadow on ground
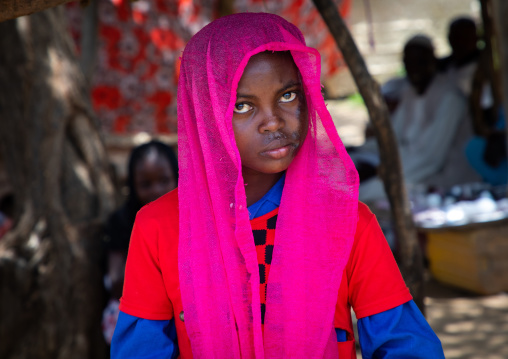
column 470, row 326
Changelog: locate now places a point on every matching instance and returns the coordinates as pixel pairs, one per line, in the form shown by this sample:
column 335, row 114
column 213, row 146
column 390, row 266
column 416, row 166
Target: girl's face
column 270, row 116
column 153, row 177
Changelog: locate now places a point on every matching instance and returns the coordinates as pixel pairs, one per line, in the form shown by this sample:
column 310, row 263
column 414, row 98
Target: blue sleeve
column 144, row 339
column 341, row 335
column 401, row 332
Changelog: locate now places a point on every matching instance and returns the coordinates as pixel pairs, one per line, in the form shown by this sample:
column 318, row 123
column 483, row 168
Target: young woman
column 264, row 247
column 152, row 171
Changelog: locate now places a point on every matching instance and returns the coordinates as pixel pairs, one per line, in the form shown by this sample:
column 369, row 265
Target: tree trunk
column 89, row 39
column 491, row 46
column 225, row 7
column 410, row 258
column 500, row 12
column 50, row 278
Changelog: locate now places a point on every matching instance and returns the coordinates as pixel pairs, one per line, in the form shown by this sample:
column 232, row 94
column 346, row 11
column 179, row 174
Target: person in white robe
column 431, row 125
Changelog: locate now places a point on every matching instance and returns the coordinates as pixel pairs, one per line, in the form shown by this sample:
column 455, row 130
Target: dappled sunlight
column 469, row 326
column 463, row 326
column 497, row 302
column 497, row 340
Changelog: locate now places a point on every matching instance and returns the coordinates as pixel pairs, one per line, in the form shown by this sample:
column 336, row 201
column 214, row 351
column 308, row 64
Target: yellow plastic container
column 473, row 257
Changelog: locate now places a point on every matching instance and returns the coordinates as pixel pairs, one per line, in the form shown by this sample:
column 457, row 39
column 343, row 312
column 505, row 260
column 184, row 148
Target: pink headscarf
column 219, row 275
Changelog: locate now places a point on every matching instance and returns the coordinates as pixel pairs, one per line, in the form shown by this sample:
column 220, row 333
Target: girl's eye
column 288, row 97
column 242, row 108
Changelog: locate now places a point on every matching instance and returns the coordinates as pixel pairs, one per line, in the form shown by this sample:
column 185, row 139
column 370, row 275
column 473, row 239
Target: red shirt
column 371, row 282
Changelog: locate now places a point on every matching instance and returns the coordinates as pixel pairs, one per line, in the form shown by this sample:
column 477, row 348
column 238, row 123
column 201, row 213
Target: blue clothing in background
column 494, row 175
column 475, row 150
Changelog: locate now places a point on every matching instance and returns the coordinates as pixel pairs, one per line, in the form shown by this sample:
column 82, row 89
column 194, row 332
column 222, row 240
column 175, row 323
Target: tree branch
column 11, row 9
column 500, row 11
column 410, row 260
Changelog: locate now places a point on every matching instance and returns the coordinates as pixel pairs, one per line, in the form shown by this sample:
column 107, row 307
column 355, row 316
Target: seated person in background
column 152, row 172
column 486, row 151
column 461, row 64
column 431, row 126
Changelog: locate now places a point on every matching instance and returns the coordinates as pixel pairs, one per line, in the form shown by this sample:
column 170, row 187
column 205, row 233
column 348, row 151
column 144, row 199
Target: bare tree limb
column 410, row 259
column 500, row 12
column 11, row 9
column 89, row 39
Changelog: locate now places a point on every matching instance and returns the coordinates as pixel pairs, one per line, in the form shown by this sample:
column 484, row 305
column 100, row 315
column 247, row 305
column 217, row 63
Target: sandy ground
column 470, row 326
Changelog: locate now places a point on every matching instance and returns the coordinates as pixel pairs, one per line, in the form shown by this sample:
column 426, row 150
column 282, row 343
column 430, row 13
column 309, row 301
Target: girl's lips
column 278, row 153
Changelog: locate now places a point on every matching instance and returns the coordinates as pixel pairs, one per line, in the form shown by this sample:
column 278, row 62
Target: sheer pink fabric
column 219, row 278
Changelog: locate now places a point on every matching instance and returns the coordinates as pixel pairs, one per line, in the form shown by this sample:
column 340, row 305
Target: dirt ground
column 470, row 326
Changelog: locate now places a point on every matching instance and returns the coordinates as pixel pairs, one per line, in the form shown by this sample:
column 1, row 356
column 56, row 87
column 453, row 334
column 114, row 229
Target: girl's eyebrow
column 238, row 95
column 289, row 85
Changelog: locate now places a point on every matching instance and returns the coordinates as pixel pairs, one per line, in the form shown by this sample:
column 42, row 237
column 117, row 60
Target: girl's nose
column 271, row 121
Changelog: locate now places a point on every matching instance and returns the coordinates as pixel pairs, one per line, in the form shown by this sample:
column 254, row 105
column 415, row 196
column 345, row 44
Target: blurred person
column 462, row 62
column 471, row 69
column 431, row 125
column 152, row 172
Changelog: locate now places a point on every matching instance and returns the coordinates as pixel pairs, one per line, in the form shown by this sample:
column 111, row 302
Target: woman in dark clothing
column 152, row 172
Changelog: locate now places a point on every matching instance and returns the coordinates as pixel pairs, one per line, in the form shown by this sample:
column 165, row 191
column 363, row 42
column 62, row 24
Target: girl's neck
column 258, row 184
